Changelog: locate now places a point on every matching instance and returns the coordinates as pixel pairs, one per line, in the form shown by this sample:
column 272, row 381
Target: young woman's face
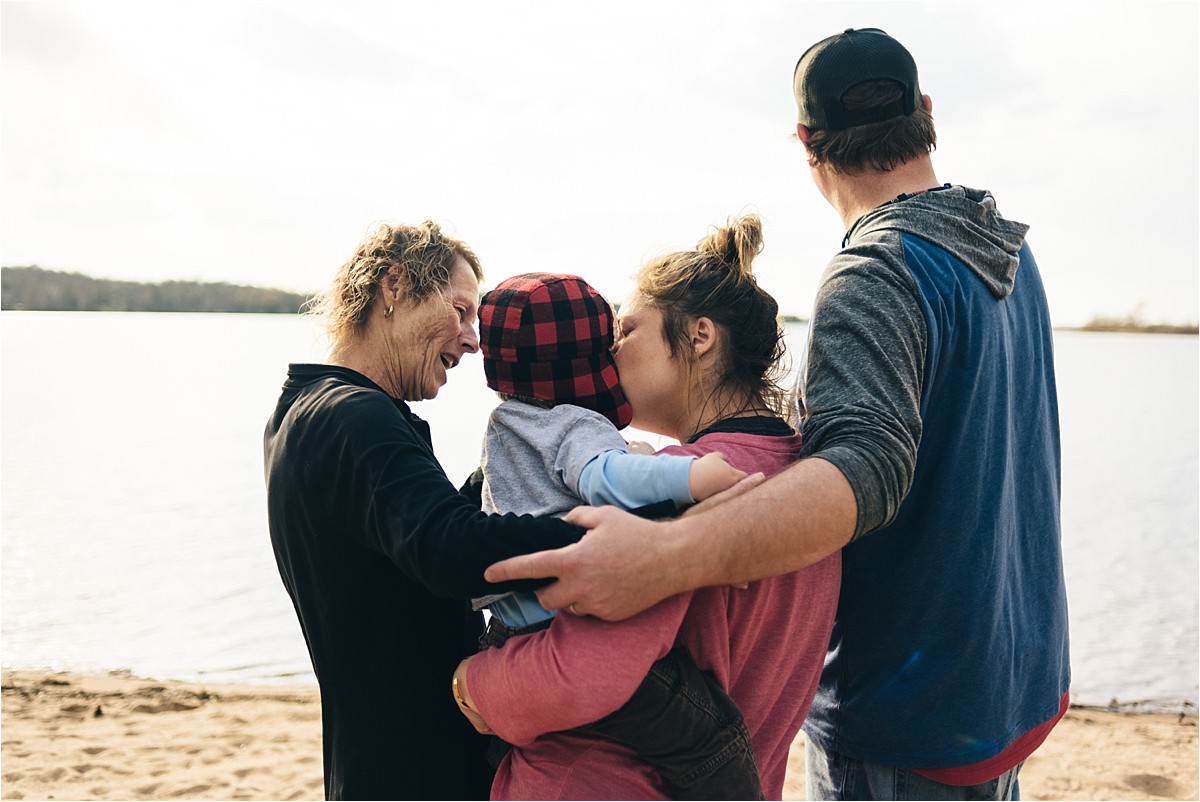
column 654, row 382
column 434, row 334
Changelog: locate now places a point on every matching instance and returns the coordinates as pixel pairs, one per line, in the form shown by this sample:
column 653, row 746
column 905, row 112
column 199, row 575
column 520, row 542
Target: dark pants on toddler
column 680, row 721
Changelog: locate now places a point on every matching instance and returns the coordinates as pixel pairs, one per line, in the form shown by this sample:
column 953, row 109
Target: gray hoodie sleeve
column 865, row 366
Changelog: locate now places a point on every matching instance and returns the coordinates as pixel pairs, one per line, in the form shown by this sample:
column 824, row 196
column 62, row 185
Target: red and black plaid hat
column 549, row 336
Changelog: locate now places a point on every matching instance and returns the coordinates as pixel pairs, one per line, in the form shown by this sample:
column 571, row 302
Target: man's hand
column 617, row 570
column 625, row 564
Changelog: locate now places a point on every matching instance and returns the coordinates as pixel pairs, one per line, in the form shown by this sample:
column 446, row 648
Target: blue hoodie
column 930, row 384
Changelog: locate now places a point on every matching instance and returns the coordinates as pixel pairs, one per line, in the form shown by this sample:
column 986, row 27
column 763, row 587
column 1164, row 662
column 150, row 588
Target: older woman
column 698, row 348
column 375, row 546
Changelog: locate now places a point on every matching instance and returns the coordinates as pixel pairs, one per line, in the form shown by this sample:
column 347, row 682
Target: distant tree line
column 33, row 288
column 1136, row 321
column 1107, row 323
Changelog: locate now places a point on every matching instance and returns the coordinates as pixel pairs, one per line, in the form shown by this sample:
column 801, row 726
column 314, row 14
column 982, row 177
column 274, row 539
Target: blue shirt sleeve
column 630, row 481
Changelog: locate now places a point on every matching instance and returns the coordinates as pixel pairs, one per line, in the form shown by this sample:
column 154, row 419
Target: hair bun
column 736, row 244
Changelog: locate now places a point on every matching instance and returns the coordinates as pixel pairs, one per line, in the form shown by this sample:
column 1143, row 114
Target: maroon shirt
column 765, row 645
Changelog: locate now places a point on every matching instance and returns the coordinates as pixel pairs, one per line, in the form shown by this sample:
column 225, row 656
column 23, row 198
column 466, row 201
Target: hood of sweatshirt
column 960, row 220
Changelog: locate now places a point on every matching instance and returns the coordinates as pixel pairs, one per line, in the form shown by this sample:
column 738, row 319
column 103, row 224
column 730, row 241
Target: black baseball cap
column 832, row 66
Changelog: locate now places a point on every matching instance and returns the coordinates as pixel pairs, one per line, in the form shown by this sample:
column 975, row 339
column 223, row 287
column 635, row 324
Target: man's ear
column 927, row 103
column 703, row 333
column 802, row 133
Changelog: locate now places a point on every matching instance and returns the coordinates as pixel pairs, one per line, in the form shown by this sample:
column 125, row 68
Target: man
column 932, row 456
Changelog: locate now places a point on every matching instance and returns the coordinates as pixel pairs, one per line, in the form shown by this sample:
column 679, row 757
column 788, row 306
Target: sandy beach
column 73, row 736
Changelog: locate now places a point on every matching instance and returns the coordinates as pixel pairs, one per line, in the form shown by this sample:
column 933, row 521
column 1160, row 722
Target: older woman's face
column 653, row 381
column 435, row 334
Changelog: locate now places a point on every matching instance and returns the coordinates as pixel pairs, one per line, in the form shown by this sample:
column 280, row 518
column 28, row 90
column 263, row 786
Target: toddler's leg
column 683, row 723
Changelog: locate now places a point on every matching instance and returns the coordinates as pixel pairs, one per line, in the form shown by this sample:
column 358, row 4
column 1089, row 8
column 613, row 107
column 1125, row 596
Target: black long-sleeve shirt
column 379, row 552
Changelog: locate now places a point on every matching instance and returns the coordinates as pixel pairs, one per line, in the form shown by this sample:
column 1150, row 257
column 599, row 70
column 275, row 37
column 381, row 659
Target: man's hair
column 877, row 146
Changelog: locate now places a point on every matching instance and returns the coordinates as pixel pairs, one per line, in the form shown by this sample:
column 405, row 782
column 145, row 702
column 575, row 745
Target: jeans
column 497, row 633
column 681, row 722
column 830, row 775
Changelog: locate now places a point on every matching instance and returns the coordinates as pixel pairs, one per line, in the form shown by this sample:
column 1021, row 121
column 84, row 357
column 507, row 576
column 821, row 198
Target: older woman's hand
column 458, row 686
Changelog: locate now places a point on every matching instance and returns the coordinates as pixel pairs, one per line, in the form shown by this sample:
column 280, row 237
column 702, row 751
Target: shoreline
column 117, row 736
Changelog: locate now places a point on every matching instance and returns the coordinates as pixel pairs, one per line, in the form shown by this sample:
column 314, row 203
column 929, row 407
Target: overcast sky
column 257, row 142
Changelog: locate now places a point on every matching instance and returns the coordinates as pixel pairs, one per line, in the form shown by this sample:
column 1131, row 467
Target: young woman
column 698, row 352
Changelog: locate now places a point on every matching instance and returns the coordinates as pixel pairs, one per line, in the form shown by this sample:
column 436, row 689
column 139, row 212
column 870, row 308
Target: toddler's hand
column 711, row 474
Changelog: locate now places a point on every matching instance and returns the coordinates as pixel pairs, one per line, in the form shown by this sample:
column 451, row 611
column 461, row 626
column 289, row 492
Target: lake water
column 134, row 524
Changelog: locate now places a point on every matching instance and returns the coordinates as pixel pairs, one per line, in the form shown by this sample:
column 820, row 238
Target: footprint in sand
column 1153, row 784
column 165, row 707
column 195, row 790
column 94, row 750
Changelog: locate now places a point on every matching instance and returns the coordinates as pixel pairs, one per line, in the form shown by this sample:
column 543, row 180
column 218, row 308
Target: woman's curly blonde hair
column 425, row 256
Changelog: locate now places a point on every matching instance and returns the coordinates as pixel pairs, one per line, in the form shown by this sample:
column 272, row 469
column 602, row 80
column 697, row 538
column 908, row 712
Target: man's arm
column 625, row 564
column 866, row 365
